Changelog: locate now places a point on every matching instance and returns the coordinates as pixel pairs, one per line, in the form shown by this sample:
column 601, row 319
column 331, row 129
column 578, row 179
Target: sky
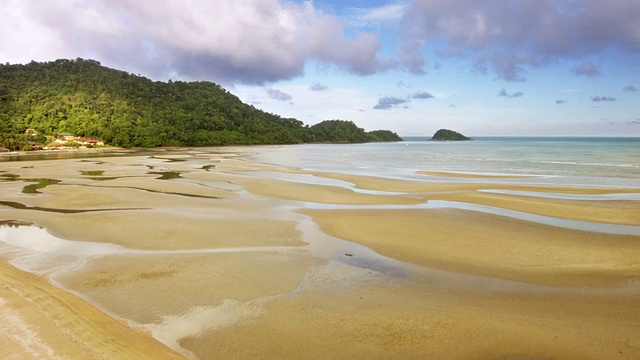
column 483, row 68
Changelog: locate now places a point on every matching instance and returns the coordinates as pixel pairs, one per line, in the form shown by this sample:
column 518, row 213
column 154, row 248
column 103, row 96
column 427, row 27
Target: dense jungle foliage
column 83, row 98
column 448, row 135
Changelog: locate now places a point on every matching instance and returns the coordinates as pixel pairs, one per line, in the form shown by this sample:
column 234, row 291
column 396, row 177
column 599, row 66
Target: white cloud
column 262, row 41
column 246, row 41
column 23, row 38
column 377, row 16
column 311, row 106
column 506, row 37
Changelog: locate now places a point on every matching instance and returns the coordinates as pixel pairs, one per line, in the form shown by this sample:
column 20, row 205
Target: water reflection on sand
column 200, row 246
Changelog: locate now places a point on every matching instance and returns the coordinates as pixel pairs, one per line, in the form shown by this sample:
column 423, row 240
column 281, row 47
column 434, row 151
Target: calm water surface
column 578, row 161
column 581, row 161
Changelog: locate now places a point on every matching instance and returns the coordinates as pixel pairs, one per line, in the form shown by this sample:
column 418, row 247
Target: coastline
column 233, row 258
column 60, row 150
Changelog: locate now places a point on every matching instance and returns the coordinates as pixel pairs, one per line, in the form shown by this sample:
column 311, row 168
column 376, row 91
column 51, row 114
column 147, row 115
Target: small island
column 448, row 135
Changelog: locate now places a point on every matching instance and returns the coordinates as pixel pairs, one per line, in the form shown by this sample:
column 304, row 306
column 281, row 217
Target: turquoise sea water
column 562, row 160
column 578, row 161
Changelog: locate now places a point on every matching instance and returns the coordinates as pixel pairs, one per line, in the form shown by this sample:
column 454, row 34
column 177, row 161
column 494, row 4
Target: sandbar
column 41, row 321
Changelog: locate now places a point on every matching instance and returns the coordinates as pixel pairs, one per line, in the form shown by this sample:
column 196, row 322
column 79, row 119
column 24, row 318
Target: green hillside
column 448, row 135
column 86, row 99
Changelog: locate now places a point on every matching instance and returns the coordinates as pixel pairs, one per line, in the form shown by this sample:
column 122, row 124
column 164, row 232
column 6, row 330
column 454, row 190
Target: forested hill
column 89, row 100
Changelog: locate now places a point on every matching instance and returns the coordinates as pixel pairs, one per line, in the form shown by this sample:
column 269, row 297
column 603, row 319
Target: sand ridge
column 61, row 325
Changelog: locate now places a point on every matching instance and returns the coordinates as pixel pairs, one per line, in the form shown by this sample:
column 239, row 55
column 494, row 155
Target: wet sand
column 199, row 253
column 41, row 321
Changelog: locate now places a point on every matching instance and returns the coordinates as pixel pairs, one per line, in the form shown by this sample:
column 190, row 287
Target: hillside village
column 62, row 141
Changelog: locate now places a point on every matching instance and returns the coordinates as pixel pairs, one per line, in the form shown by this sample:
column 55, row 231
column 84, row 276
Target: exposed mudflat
column 199, row 253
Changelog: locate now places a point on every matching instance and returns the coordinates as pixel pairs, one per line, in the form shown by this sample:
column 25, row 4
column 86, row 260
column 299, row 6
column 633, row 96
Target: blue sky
column 501, row 67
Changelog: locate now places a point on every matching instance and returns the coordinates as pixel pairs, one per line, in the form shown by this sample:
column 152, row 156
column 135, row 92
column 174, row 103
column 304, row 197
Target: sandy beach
column 203, row 254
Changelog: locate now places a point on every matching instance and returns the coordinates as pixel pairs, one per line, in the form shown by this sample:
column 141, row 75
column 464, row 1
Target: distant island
column 448, row 135
column 79, row 102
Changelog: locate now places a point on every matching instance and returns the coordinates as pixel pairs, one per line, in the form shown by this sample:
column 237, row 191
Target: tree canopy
column 86, row 99
column 448, row 135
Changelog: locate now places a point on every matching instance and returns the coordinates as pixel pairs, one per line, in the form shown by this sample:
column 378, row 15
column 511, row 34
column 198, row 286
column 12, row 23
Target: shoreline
column 53, row 151
column 229, row 258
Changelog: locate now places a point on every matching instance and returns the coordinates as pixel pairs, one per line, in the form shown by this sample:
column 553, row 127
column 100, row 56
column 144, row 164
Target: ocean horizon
column 579, row 161
column 558, row 160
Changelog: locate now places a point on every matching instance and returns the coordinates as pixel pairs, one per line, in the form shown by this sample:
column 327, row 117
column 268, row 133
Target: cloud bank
column 264, row 41
column 243, row 41
column 506, row 39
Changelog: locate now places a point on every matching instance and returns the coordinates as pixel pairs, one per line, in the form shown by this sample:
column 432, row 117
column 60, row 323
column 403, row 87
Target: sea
column 609, row 162
column 573, row 161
